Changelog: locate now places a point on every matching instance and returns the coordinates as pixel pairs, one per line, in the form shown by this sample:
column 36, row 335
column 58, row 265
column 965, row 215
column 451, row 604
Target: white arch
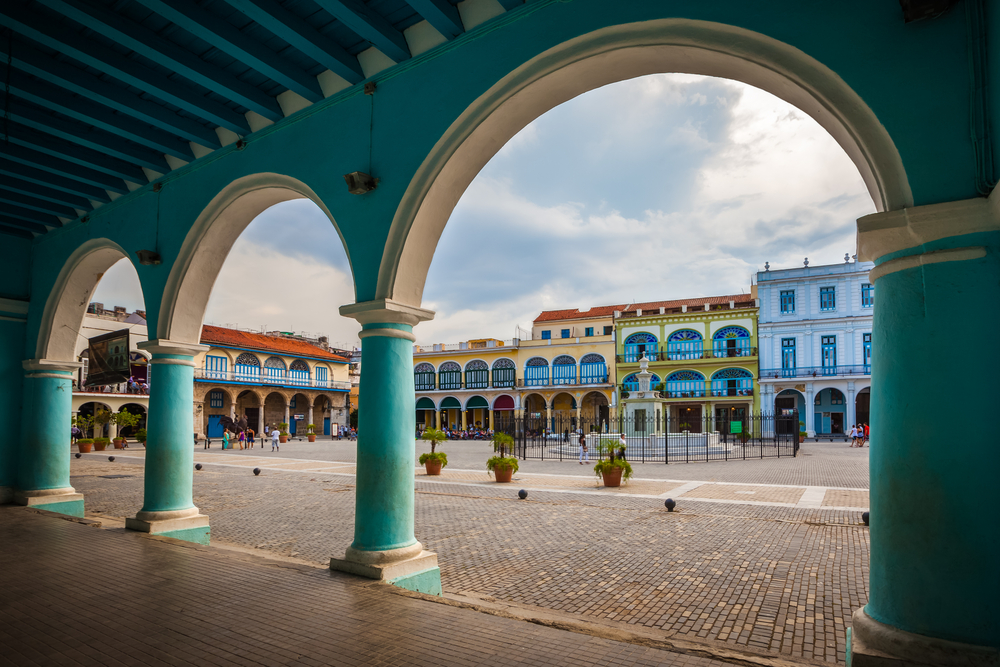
column 208, row 242
column 614, row 54
column 67, row 303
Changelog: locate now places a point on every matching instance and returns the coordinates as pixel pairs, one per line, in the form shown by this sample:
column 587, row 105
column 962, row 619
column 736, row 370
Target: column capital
column 42, row 365
column 164, row 346
column 881, row 234
column 386, row 311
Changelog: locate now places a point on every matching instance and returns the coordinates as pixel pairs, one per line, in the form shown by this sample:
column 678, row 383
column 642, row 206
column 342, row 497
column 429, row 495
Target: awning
column 450, row 402
column 477, row 402
column 503, row 403
column 425, row 404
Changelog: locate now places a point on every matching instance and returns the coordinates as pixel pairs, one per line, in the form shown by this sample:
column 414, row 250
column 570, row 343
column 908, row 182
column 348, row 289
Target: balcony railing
column 506, row 384
column 231, row 376
column 713, row 392
column 816, row 371
column 717, row 352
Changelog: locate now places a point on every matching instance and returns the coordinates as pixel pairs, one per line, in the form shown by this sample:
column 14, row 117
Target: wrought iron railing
column 285, row 381
column 717, row 352
column 816, row 371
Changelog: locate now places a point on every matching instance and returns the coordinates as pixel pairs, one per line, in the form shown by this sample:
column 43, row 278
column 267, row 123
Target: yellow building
column 563, row 376
column 702, row 352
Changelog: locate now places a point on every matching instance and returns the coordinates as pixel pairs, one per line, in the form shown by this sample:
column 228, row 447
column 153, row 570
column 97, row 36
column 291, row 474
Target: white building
column 815, row 328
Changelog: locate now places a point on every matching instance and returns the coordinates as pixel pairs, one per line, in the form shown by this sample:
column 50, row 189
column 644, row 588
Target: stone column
column 43, row 470
column 493, row 418
column 934, row 538
column 437, row 418
column 310, row 415
column 464, row 418
column 260, row 421
column 168, row 506
column 810, row 411
column 384, row 545
column 849, row 408
column 288, row 415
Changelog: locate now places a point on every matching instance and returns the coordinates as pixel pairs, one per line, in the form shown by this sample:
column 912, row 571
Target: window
column 631, row 383
column 868, row 352
column 867, row 295
column 829, row 344
column 608, row 330
column 477, row 375
column 836, row 398
column 291, row 403
column 564, row 333
column 684, row 344
column 593, row 369
column 216, row 367
column 564, row 370
column 732, row 382
column 248, row 367
column 298, row 372
column 685, row 384
column 732, row 342
column 589, row 331
column 503, row 373
column 536, row 372
column 640, row 344
column 215, row 399
column 788, row 357
column 546, row 335
column 788, row 301
column 274, row 369
column 827, row 298
column 423, row 377
column 321, row 376
column 450, row 376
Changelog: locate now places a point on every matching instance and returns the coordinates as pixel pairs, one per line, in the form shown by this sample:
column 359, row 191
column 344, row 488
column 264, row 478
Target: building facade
column 702, row 353
column 562, row 376
column 816, row 344
column 271, row 379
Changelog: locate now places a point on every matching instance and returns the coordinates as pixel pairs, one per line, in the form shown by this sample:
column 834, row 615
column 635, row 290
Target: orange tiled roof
column 693, row 302
column 253, row 341
column 576, row 314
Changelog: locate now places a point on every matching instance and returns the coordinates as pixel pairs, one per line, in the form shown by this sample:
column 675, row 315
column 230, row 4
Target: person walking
column 241, row 437
column 584, row 458
column 854, row 436
column 865, row 428
column 225, row 439
column 251, row 438
column 274, row 440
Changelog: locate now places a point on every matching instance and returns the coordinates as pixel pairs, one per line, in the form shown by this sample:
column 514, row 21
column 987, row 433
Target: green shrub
column 607, row 465
column 140, row 435
column 434, row 456
column 502, row 462
column 433, row 436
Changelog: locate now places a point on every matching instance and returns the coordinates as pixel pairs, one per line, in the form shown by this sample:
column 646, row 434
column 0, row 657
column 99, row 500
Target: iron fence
column 658, row 439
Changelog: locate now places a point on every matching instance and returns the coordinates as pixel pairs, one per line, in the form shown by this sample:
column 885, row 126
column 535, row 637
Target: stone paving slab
column 156, row 601
column 770, row 578
column 846, row 498
column 766, row 494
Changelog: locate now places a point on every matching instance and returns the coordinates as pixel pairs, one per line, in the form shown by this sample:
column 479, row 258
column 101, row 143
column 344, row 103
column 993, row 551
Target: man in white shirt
column 274, row 440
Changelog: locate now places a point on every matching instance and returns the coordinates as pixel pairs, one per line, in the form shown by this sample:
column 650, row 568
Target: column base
column 874, row 644
column 410, row 567
column 6, row 495
column 188, row 525
column 62, row 501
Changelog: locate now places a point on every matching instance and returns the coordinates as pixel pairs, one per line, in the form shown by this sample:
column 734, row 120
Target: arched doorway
column 100, row 413
column 425, row 413
column 595, row 411
column 451, row 413
column 477, row 412
column 503, row 411
column 563, row 413
column 135, row 409
column 862, row 406
column 535, row 413
column 830, row 411
column 275, row 405
column 248, row 403
column 785, row 404
column 298, row 414
column 218, row 403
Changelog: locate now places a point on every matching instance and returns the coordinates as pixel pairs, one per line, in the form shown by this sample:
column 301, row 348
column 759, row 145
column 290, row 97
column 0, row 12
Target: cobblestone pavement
column 768, row 578
column 74, row 595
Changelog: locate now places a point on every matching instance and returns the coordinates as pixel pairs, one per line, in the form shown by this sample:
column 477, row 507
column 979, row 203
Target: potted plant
column 98, row 420
column 85, row 445
column 433, row 461
column 614, row 468
column 101, row 443
column 802, row 432
column 310, row 431
column 124, row 419
column 283, row 432
column 502, row 466
column 140, row 435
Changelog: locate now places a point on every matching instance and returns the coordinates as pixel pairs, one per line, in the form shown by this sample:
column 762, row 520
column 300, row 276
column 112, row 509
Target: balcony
column 815, row 372
column 203, row 375
column 717, row 352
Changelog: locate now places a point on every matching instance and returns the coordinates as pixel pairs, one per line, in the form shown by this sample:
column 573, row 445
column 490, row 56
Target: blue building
column 815, row 329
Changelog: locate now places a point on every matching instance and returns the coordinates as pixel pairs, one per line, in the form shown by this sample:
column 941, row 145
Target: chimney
column 707, row 307
column 684, row 308
column 324, row 342
column 661, row 310
column 732, row 305
column 638, row 312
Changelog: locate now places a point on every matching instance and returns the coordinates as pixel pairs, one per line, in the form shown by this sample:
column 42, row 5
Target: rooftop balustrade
column 203, row 375
column 816, row 371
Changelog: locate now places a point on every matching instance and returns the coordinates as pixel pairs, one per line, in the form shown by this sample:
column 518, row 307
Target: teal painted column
column 43, row 470
column 384, row 544
column 935, row 584
column 11, row 388
column 168, row 505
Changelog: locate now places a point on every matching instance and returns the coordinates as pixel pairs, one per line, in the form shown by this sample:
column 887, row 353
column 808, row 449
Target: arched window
column 536, row 372
column 450, row 376
column 298, row 372
column 322, row 376
column 274, row 369
column 423, row 377
column 631, row 382
column 685, row 384
column 247, row 368
column 216, row 367
column 639, row 344
column 732, row 382
column 593, row 369
column 564, row 370
column 731, row 342
column 685, row 344
column 477, row 375
column 503, row 373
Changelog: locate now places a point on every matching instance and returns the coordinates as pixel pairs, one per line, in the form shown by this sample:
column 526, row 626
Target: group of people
column 135, row 387
column 466, row 434
column 859, row 435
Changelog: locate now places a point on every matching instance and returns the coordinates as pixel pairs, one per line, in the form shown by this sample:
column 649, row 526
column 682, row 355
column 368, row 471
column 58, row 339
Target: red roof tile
column 608, row 311
column 576, row 314
column 253, row 341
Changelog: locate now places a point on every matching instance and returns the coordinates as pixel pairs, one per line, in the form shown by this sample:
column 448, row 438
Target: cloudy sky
column 662, row 187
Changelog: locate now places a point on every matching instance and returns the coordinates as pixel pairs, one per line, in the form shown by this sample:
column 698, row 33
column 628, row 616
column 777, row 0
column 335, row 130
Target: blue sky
column 661, row 187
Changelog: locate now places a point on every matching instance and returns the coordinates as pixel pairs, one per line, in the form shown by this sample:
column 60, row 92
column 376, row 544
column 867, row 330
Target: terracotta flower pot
column 282, row 439
column 99, row 446
column 433, row 467
column 802, row 439
column 503, row 474
column 85, row 447
column 312, row 437
column 119, row 443
column 613, row 477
